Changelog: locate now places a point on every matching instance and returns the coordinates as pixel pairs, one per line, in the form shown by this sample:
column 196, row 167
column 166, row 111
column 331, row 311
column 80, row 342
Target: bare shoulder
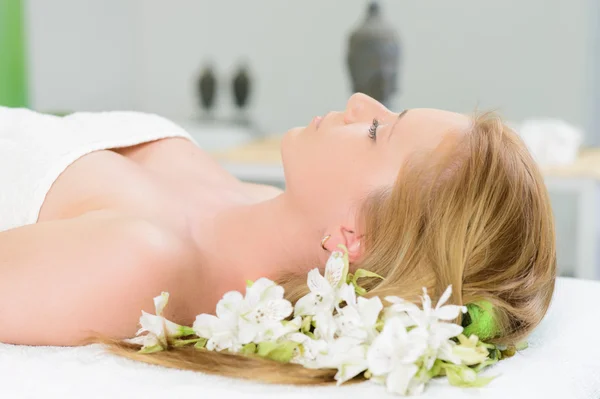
column 94, row 273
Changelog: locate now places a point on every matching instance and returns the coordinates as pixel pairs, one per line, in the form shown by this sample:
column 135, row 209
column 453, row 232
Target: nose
column 362, row 108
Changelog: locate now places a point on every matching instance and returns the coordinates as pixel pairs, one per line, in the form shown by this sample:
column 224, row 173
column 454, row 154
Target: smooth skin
column 120, row 226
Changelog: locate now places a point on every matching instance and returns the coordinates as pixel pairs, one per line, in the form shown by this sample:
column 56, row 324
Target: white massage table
column 562, row 361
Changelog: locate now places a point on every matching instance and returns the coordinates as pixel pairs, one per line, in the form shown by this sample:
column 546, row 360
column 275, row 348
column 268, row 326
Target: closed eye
column 373, row 130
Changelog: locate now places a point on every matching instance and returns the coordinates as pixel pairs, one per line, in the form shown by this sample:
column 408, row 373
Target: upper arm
column 64, row 281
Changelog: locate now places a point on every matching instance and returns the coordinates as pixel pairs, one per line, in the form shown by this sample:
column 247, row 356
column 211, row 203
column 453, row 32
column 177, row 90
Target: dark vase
column 374, row 57
column 242, row 87
column 207, row 88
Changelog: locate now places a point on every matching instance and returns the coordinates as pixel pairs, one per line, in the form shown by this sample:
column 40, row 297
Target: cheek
column 331, row 169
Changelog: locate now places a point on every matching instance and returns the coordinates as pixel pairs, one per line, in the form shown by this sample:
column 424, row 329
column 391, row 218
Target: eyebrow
column 396, row 122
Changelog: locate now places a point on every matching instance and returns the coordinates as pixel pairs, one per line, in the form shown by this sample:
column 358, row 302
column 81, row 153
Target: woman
column 110, row 209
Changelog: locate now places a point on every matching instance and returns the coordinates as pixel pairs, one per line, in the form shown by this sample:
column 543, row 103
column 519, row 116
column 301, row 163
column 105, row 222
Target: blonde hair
column 478, row 218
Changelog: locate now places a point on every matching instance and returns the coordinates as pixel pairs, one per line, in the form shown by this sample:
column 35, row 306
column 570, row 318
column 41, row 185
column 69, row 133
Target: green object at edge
column 13, row 74
column 483, row 323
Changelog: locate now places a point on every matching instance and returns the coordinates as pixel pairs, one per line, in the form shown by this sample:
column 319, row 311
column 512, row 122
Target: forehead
column 425, row 128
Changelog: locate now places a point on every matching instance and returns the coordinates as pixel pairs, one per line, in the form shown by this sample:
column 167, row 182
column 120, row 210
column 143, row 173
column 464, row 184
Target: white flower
column 158, row 328
column 146, row 341
column 265, row 309
column 392, row 356
column 257, row 317
column 323, row 295
column 348, row 356
column 359, row 317
column 309, row 350
column 221, row 330
column 434, row 321
column 326, row 326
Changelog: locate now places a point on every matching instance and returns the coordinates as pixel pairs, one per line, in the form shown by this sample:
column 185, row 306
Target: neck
column 265, row 239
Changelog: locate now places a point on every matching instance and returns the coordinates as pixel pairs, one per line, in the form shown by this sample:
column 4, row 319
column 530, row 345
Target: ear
column 348, row 234
column 352, row 241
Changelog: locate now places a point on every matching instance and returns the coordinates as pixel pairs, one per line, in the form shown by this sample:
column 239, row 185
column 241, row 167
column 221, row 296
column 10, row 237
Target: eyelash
column 373, row 129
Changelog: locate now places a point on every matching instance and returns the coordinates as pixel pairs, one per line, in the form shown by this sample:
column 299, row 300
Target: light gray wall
column 81, row 54
column 525, row 58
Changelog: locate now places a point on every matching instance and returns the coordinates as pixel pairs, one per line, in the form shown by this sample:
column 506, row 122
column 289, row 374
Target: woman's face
column 332, row 164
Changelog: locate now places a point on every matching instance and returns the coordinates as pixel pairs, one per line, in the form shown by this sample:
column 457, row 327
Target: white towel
column 562, row 361
column 36, row 148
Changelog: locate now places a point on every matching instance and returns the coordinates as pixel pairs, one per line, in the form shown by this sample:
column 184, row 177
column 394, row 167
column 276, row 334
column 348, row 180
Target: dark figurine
column 374, row 57
column 207, row 88
column 241, row 87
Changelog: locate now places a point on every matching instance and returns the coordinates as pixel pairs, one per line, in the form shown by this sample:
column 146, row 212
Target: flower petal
column 151, row 323
column 247, row 332
column 446, row 353
column 426, row 301
column 139, row 340
column 277, row 310
column 369, row 310
column 353, row 363
column 448, row 312
column 400, row 305
column 379, row 357
column 415, row 345
column 404, row 318
column 326, row 326
column 399, row 379
column 171, row 329
column 416, row 388
column 445, row 296
column 160, row 302
column 334, row 268
column 230, row 305
column 306, row 306
column 263, row 289
column 347, row 294
column 444, row 331
column 204, row 324
column 317, row 283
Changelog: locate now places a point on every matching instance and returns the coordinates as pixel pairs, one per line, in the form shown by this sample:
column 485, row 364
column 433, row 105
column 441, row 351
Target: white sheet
column 563, row 361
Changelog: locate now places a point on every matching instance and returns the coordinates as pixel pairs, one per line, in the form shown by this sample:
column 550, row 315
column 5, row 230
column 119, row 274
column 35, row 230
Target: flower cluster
column 334, row 326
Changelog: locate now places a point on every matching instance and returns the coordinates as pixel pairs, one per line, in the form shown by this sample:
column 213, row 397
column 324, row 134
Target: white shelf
column 270, row 174
column 217, row 135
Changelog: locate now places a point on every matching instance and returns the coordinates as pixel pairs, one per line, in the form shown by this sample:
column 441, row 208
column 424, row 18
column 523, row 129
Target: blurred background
column 237, row 74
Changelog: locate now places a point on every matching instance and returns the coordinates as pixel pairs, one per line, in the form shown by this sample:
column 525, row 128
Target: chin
column 290, row 152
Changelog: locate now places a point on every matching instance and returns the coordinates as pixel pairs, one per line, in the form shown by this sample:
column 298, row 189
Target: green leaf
column 151, row 349
column 264, row 348
column 281, row 352
column 484, row 364
column 249, row 349
column 349, row 278
column 201, row 343
column 465, row 377
column 185, row 331
column 522, row 345
column 361, row 273
column 306, row 324
column 437, row 368
column 183, row 342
